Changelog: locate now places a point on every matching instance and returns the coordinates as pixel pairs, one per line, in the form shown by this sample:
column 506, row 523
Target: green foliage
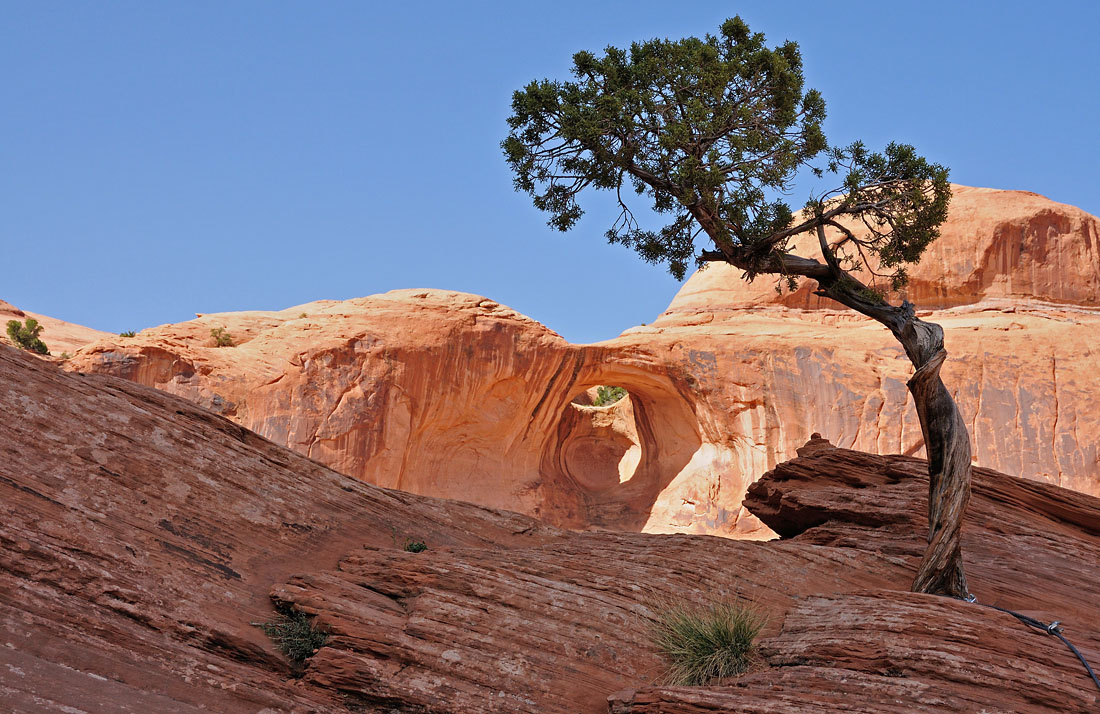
column 900, row 200
column 65, row 356
column 701, row 644
column 415, row 546
column 712, row 132
column 221, row 337
column 303, row 315
column 608, row 395
column 26, row 335
column 128, row 333
column 694, row 123
column 294, row 634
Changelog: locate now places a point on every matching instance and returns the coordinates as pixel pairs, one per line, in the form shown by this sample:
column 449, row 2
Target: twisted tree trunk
column 946, row 441
column 948, row 445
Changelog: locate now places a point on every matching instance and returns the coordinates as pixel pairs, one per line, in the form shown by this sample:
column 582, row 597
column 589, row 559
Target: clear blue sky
column 165, row 158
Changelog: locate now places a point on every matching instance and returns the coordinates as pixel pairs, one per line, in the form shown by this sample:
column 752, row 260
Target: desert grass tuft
column 705, row 643
column 294, row 634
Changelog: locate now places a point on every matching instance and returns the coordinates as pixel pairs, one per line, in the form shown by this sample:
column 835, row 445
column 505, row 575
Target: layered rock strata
column 847, row 649
column 140, row 536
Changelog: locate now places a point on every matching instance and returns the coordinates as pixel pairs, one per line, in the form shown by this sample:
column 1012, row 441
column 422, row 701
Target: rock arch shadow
column 619, row 458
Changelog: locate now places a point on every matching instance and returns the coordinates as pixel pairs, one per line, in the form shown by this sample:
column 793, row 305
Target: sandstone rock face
column 454, row 395
column 1022, row 373
column 438, row 393
column 140, row 535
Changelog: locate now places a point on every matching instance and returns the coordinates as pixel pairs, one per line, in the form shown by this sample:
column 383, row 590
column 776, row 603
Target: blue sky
column 165, row 158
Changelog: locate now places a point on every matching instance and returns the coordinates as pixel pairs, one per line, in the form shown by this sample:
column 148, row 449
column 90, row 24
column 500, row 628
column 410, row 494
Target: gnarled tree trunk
column 946, row 439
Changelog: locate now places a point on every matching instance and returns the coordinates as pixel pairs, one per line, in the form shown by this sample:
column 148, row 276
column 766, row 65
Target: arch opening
column 601, row 448
column 620, row 440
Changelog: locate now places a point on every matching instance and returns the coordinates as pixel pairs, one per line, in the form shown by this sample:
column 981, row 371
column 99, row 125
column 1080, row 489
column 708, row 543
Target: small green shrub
column 608, row 395
column 294, row 634
column 701, row 644
column 66, row 355
column 302, row 315
column 26, row 335
column 128, row 333
column 415, row 546
column 221, row 337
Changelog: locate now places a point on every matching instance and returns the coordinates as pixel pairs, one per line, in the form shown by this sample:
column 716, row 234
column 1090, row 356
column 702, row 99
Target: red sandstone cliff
column 994, row 244
column 140, row 535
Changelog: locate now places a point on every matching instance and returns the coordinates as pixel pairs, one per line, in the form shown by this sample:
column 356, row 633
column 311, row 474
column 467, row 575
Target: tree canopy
column 712, row 133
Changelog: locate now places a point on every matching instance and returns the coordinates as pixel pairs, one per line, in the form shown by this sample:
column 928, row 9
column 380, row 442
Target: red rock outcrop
column 140, row 535
column 847, row 648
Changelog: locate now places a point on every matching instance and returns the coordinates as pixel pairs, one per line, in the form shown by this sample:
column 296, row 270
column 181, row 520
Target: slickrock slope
column 140, row 535
column 59, row 336
column 454, row 395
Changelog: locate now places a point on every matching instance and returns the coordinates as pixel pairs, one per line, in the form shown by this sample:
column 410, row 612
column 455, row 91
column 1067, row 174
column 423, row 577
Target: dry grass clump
column 706, row 643
column 294, row 634
column 221, row 337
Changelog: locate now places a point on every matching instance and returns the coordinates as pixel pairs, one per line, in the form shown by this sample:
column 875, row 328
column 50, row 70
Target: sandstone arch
column 620, row 458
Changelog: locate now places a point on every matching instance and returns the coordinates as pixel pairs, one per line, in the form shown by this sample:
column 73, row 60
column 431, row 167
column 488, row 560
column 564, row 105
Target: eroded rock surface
column 140, row 535
column 872, row 651
column 994, row 244
column 445, row 394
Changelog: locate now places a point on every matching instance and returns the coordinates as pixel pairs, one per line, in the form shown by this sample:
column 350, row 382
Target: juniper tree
column 711, row 134
column 26, row 335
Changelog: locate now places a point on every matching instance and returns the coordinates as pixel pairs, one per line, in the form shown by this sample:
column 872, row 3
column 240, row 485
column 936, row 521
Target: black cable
column 1053, row 628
